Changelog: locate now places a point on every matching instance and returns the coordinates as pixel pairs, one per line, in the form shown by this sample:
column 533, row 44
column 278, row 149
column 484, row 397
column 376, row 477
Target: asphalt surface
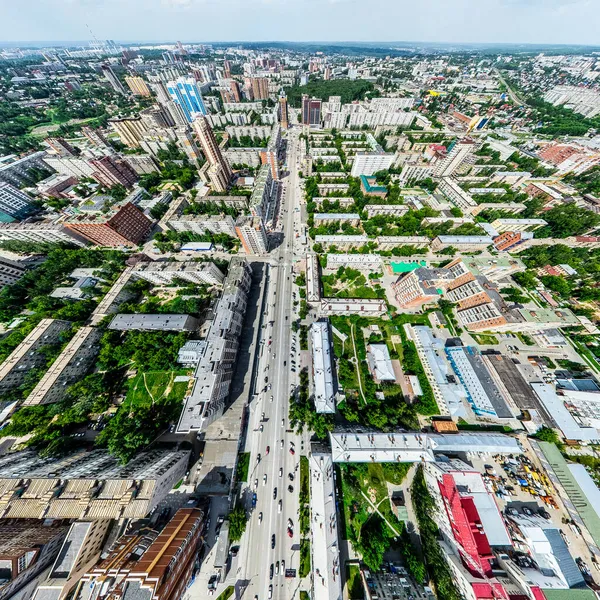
column 269, row 475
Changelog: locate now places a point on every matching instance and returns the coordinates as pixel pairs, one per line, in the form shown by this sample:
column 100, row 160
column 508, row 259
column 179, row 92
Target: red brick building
column 127, row 225
column 109, row 171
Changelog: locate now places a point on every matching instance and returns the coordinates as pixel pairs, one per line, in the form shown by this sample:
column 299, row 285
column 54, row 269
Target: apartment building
column 27, row 355
column 214, row 372
column 80, row 551
column 457, row 155
column 367, row 163
column 389, row 210
column 40, row 232
column 15, row 205
column 110, row 171
column 343, row 242
column 464, row 243
column 459, row 197
column 511, row 207
column 322, row 368
column 71, row 364
column 253, row 235
column 389, row 242
column 153, row 322
column 264, row 196
column 339, row 218
column 165, row 273
column 313, row 284
column 27, row 547
column 502, row 225
column 202, row 223
column 123, row 226
column 93, row 484
column 131, row 130
column 138, row 87
column 352, row 306
column 421, row 286
column 17, row 171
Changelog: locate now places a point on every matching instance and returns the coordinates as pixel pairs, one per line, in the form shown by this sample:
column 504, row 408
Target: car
column 253, row 500
column 260, row 517
column 283, row 422
column 273, row 542
column 271, row 398
column 274, row 493
column 268, row 449
column 212, row 583
column 280, row 471
column 282, row 444
column 290, row 523
column 284, row 364
column 292, row 451
column 279, row 506
column 527, row 511
column 290, row 532
column 277, row 568
column 234, row 550
column 270, row 592
column 290, row 488
column 291, row 476
column 265, row 479
column 271, row 569
column 261, row 428
column 269, row 387
column 282, row 566
column 255, row 483
column 266, row 380
column 257, row 458
column 544, row 514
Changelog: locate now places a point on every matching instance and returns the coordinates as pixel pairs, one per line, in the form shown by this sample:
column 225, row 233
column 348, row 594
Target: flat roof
column 161, row 322
column 196, row 246
column 325, row 544
column 322, row 368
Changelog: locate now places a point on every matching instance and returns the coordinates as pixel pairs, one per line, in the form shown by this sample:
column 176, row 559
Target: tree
column 237, row 523
column 373, row 542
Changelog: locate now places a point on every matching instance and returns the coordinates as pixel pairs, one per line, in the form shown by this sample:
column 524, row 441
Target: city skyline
column 465, row 21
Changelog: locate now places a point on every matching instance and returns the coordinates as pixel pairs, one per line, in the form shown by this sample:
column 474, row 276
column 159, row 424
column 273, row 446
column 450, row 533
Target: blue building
column 185, row 92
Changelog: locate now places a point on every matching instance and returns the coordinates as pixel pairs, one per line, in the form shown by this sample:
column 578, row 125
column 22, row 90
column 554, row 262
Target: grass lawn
column 304, row 516
column 226, row 593
column 145, row 388
column 243, row 466
column 485, row 339
column 304, row 595
column 304, row 557
column 354, row 581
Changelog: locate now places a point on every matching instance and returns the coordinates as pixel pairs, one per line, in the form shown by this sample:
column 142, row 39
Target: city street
column 275, row 450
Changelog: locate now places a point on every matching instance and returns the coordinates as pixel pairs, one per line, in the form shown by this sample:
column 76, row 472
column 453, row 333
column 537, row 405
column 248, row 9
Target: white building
column 322, row 368
column 459, row 197
column 353, row 306
column 390, row 210
column 367, row 163
column 454, row 159
column 380, row 363
column 164, row 273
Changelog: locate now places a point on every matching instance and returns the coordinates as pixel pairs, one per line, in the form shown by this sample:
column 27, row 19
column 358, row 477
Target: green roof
column 576, row 495
column 406, row 267
column 572, row 594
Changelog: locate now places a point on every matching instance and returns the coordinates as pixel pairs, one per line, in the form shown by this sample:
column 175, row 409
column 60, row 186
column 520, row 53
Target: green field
column 150, row 387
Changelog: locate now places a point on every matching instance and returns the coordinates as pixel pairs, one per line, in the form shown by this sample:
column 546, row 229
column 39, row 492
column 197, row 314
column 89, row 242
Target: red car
column 268, row 449
column 290, row 532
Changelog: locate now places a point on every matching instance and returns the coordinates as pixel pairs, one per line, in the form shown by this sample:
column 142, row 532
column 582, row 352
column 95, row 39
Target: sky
column 454, row 21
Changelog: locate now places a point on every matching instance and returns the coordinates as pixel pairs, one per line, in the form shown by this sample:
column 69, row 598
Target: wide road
column 273, row 471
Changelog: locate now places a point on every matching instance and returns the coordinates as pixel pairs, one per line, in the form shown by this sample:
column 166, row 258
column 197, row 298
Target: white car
column 265, row 479
column 279, row 506
column 280, row 471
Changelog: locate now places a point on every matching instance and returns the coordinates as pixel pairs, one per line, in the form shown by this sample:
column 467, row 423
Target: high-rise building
column 131, row 130
column 184, row 91
column 12, row 270
column 27, row 547
column 283, row 110
column 219, row 167
column 186, row 141
column 127, row 225
column 236, row 93
column 156, row 117
column 113, row 79
column 252, row 234
column 110, row 171
column 311, row 110
column 227, row 70
column 15, row 205
column 455, row 157
column 260, row 88
column 138, row 86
